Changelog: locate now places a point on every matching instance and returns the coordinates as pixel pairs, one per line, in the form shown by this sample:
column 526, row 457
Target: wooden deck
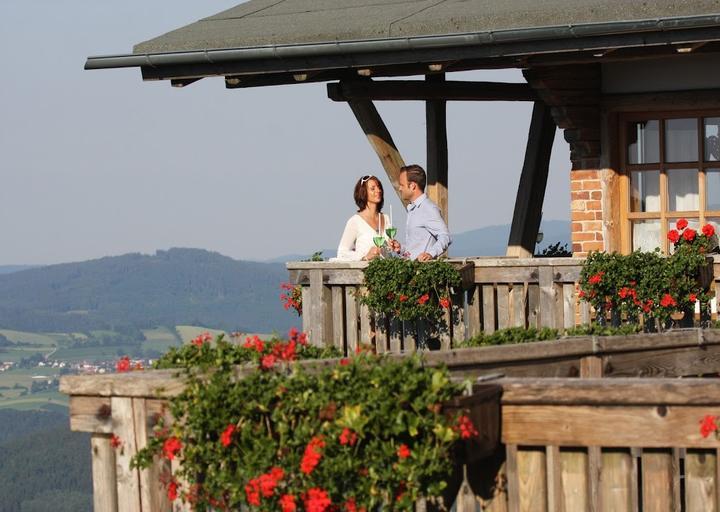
column 572, row 442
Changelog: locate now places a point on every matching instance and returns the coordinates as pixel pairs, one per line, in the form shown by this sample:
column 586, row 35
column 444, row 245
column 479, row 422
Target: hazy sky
column 97, row 163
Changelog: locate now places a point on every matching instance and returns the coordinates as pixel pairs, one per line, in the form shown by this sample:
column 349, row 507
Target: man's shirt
column 425, row 230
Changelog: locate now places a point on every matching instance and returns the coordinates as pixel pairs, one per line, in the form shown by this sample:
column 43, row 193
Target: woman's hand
column 373, row 253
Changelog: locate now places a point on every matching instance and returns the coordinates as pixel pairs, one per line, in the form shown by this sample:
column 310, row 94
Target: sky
column 100, row 163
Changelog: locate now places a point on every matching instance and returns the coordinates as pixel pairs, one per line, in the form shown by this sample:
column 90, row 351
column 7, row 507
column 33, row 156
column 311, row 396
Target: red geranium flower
column 115, row 441
column 595, row 279
column 708, row 425
column 708, row 230
column 287, row 503
column 200, row 340
column 172, row 491
column 689, row 234
column 344, row 361
column 692, row 298
column 226, row 436
column 123, row 365
column 171, row 446
column 252, row 492
column 466, row 428
column 424, row 298
column 667, row 301
column 681, row 224
column 313, row 454
column 268, row 361
column 673, row 236
column 348, row 437
column 445, row 302
column 316, row 500
column 403, row 298
column 581, row 294
column 403, row 451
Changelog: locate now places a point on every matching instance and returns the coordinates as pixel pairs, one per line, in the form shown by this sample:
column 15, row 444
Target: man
column 426, row 234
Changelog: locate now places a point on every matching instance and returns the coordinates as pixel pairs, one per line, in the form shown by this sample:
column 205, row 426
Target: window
column 672, row 165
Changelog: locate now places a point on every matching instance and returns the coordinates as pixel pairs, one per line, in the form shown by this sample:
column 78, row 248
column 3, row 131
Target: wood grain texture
column 103, row 472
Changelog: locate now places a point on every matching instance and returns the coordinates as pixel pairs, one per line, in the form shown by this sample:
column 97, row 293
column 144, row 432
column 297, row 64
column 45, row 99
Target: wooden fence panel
column 532, row 480
column 105, row 496
column 488, row 308
column 700, row 480
column 615, row 481
column 574, row 475
column 128, row 480
column 351, row 319
column 658, row 476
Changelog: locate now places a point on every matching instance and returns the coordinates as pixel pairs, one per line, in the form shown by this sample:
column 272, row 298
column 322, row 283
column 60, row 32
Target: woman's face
column 374, row 193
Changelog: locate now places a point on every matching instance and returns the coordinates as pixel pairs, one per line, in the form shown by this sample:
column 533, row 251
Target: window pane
column 644, row 142
column 646, row 235
column 712, row 189
column 712, row 143
column 645, row 194
column 681, row 140
column 683, row 190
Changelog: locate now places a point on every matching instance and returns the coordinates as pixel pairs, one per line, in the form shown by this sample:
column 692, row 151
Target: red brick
column 593, row 205
column 584, row 175
column 592, row 226
column 583, row 215
column 598, row 215
column 575, row 185
column 580, row 195
column 591, row 185
column 576, row 248
column 576, row 226
column 596, row 194
column 583, row 236
column 593, row 246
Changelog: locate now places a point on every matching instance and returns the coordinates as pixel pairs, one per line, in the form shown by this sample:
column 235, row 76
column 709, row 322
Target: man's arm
column 440, row 232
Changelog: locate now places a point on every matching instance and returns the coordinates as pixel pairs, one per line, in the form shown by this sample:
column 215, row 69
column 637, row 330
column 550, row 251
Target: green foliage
column 555, row 251
column 368, row 429
column 316, row 256
column 603, row 330
column 409, row 290
column 510, row 336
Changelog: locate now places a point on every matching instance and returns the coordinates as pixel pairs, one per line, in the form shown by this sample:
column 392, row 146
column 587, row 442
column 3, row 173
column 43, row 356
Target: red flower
column 171, row 446
column 268, row 361
column 403, row 298
column 252, row 492
column 293, row 334
column 708, row 230
column 313, row 454
column 689, row 234
column 200, row 340
column 465, row 428
column 581, row 294
column 348, row 437
column 344, row 361
column 595, row 279
column 673, row 236
column 267, row 484
column 123, row 365
column 351, row 506
column 423, row 298
column 287, row 503
column 316, row 500
column 115, row 441
column 692, row 297
column 403, row 451
column 172, row 493
column 445, row 302
column 667, row 301
column 708, row 425
column 681, row 224
column 226, row 436
column 254, row 342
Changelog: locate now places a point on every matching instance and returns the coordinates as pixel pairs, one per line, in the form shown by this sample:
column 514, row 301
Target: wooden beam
column 531, row 189
column 380, row 140
column 437, row 148
column 404, row 90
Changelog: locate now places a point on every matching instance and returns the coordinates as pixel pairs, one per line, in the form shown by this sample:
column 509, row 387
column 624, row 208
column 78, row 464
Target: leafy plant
column 410, row 290
column 555, row 251
column 362, row 434
column 292, row 297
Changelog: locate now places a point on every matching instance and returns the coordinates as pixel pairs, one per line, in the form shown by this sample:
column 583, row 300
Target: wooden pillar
column 380, row 140
column 437, row 149
column 531, row 190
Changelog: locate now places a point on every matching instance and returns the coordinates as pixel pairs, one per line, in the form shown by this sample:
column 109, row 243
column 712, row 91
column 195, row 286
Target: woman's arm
column 346, row 248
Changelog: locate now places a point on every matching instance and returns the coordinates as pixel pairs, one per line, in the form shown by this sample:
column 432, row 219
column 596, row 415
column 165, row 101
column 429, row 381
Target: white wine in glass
column 391, row 232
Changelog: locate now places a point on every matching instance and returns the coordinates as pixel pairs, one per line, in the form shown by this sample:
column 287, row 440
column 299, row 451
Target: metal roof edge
column 215, row 56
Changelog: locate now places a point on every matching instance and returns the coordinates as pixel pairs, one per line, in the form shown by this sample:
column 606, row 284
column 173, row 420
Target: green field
column 14, row 382
column 188, row 332
column 91, row 354
column 160, row 339
column 36, row 401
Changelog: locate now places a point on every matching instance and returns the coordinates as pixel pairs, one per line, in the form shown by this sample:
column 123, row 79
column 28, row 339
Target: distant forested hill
column 124, row 293
column 43, row 466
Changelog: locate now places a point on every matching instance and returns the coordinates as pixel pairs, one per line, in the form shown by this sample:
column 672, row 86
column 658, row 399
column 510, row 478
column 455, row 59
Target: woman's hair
column 360, row 194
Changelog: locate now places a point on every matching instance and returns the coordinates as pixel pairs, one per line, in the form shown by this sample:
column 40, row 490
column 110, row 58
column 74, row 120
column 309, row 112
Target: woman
column 356, row 243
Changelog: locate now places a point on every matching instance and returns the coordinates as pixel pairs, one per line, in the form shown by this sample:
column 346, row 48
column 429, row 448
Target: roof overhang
column 323, row 61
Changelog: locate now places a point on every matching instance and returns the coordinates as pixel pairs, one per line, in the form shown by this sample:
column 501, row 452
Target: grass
column 188, row 332
column 160, row 339
column 31, row 337
column 104, row 353
column 24, row 377
column 35, row 402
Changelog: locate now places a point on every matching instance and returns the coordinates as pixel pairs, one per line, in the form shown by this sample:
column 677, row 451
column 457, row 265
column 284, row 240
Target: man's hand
column 394, row 246
column 424, row 256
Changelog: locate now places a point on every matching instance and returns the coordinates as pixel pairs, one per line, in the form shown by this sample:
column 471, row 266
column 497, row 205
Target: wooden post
column 437, row 150
column 103, row 470
column 380, row 140
column 531, row 190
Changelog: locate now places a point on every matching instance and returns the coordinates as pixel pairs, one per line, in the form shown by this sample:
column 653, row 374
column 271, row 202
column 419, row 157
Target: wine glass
column 391, row 232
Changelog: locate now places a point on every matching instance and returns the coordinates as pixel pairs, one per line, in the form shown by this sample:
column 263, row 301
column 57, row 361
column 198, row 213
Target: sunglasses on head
column 366, row 178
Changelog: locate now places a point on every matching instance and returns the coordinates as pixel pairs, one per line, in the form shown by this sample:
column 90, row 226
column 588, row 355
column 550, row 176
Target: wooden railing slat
column 351, row 319
column 488, row 308
column 700, row 480
column 474, row 301
column 657, row 478
column 615, row 471
column 105, row 496
column 574, row 480
column 532, row 480
column 128, row 480
column 338, row 324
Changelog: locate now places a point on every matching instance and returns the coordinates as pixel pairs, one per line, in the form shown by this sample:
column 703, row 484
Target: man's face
column 406, row 188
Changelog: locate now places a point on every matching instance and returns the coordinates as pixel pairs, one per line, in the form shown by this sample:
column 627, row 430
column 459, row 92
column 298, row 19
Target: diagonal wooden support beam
column 437, row 148
column 531, row 189
column 380, row 140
